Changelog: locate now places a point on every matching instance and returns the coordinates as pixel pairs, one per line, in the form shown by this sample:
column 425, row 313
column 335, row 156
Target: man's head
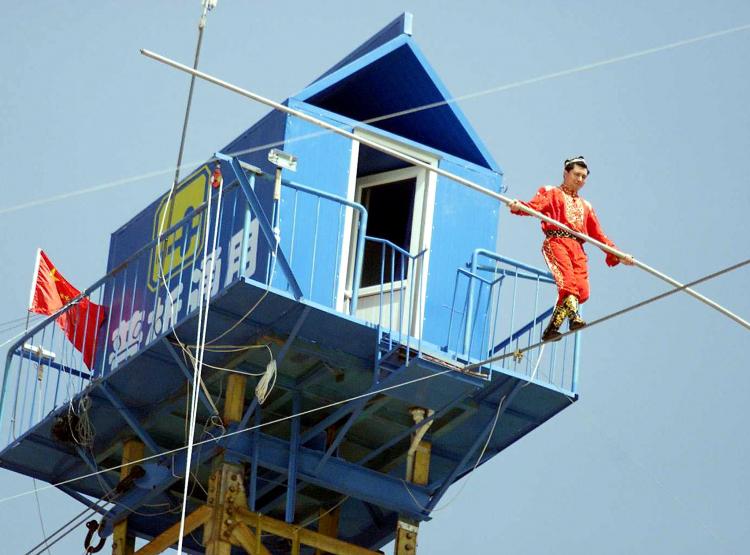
column 575, row 174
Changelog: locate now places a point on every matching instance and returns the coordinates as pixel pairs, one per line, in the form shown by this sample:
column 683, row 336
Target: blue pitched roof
column 388, row 74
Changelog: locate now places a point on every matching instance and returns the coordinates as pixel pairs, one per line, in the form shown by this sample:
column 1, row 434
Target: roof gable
column 389, row 76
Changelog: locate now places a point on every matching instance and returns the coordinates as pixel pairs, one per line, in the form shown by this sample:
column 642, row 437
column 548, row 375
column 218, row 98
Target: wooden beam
column 303, row 535
column 170, row 536
column 417, row 472
column 421, row 470
column 242, row 536
column 328, row 525
column 235, row 398
column 122, row 544
column 225, row 487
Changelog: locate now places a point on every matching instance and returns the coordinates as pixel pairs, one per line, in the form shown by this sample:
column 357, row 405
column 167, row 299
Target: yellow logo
column 177, row 250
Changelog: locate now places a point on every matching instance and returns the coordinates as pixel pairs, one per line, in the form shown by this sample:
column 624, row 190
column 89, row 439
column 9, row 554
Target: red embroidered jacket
column 570, row 210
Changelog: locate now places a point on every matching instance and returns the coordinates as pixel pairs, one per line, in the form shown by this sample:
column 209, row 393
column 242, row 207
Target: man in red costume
column 562, row 251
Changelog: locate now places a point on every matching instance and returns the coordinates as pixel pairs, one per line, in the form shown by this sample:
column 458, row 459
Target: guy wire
column 373, row 392
column 453, row 100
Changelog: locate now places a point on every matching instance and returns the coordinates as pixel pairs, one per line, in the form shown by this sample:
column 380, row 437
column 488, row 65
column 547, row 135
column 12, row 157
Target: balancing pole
column 458, row 179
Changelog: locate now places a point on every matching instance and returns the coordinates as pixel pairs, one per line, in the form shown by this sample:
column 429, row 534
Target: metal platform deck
column 330, row 372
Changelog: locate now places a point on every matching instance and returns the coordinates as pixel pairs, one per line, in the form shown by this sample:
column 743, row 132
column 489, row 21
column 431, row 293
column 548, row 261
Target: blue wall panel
column 139, row 307
column 312, row 231
column 464, row 220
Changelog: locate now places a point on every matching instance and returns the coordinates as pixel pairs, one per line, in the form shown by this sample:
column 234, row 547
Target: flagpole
column 33, row 287
column 33, row 281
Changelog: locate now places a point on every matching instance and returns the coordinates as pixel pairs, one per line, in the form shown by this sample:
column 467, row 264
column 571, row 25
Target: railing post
column 246, row 232
column 576, row 360
column 470, row 304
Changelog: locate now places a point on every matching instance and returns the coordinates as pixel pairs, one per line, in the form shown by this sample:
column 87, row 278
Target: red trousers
column 569, row 266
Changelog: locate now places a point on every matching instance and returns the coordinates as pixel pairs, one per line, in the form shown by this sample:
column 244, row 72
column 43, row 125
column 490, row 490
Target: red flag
column 50, row 292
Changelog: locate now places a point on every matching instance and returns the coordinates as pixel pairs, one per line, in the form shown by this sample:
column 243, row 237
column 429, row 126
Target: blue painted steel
column 395, row 78
column 455, row 206
column 292, row 336
column 294, row 447
column 130, row 418
column 93, row 467
column 188, row 375
column 347, row 408
column 406, row 433
column 157, row 479
column 482, row 437
column 253, row 489
column 361, row 228
column 576, row 362
column 340, row 435
column 246, row 227
column 83, row 499
column 52, row 364
column 263, row 222
column 511, row 273
column 151, row 284
column 400, row 331
column 523, row 330
column 324, row 163
column 248, row 413
column 138, row 316
column 402, row 25
column 338, row 475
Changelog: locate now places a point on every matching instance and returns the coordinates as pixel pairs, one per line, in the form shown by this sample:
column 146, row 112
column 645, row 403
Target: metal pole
column 439, row 171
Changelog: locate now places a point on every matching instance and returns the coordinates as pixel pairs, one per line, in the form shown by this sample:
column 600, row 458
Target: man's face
column 575, row 178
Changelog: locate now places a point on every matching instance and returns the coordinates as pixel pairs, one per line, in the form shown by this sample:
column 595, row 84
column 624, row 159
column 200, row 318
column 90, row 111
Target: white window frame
column 422, row 219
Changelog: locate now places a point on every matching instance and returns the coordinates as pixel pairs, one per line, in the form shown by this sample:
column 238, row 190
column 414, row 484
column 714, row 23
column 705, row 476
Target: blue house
column 339, row 293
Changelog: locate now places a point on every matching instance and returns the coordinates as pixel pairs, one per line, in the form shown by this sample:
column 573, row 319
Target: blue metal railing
column 392, row 293
column 496, row 310
column 43, row 370
column 337, row 235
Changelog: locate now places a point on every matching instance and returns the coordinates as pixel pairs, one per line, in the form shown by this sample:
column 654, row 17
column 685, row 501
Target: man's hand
column 514, row 205
column 627, row 260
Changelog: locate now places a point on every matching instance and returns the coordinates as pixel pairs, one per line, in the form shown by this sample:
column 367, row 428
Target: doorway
column 400, row 206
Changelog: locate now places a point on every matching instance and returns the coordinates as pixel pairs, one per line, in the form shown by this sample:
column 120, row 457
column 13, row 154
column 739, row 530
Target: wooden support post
column 417, row 472
column 235, row 399
column 122, row 544
column 328, row 525
column 302, row 536
column 226, row 490
column 243, row 536
column 169, row 537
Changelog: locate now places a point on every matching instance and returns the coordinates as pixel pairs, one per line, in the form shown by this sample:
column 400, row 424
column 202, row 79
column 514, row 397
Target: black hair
column 577, row 161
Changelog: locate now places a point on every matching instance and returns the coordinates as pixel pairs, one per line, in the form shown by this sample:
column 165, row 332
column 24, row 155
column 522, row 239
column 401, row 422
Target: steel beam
column 405, row 433
column 159, row 478
column 341, row 435
column 130, row 418
column 344, row 410
column 263, row 223
column 188, row 374
column 294, row 444
column 338, row 475
column 82, row 499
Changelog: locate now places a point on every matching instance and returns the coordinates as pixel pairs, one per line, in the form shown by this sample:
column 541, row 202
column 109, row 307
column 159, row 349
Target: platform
column 332, row 358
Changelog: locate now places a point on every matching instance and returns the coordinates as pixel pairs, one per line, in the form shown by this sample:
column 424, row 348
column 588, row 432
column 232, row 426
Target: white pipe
column 416, row 162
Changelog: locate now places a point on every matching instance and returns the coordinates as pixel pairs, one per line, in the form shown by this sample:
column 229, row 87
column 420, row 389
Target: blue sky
column 654, row 457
